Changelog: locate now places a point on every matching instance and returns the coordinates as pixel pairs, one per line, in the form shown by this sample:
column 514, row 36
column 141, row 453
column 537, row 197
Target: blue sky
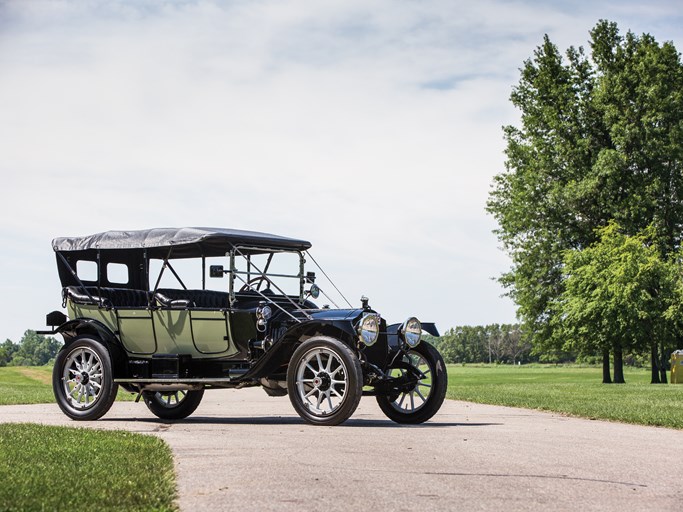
column 372, row 129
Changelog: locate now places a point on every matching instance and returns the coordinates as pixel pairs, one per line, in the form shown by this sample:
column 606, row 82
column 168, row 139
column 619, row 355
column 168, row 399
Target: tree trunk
column 663, row 364
column 654, row 360
column 618, row 366
column 662, row 374
column 606, row 377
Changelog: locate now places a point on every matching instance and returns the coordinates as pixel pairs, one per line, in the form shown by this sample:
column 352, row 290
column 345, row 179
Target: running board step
column 173, row 381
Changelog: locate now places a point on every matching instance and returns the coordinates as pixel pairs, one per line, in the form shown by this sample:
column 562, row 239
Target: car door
column 210, row 332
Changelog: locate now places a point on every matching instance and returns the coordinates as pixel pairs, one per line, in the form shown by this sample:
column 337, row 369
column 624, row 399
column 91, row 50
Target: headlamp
column 368, row 329
column 411, row 332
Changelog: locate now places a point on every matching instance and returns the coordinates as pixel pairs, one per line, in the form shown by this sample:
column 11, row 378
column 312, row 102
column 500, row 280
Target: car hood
column 331, row 314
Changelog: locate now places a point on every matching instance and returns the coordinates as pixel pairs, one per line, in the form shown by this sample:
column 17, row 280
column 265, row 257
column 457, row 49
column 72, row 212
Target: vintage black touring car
column 141, row 315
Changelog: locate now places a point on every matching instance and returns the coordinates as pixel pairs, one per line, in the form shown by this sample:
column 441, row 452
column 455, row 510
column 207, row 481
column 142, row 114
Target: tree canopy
column 32, row 350
column 600, row 139
column 619, row 295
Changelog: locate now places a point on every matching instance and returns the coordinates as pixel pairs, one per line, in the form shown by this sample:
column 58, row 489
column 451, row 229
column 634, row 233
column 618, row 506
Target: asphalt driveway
column 243, row 450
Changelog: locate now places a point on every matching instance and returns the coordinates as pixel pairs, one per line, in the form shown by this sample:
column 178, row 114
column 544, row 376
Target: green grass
column 59, row 468
column 26, row 385
column 32, row 385
column 570, row 390
column 63, row 468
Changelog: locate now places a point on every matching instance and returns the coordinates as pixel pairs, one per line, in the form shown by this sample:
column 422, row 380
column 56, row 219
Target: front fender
column 281, row 350
column 340, row 329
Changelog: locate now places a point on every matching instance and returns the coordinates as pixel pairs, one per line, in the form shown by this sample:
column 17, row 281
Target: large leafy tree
column 619, row 295
column 600, row 138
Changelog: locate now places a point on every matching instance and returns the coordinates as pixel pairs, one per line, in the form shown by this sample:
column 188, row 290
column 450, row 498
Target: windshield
column 282, row 271
column 261, row 272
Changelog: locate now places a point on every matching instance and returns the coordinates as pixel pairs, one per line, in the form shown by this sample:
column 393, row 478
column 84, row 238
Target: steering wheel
column 253, row 284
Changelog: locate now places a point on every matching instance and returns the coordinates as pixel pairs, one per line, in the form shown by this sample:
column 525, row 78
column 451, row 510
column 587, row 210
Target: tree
column 7, row 350
column 619, row 295
column 483, row 344
column 35, row 350
column 601, row 139
column 496, row 343
column 517, row 346
column 464, row 344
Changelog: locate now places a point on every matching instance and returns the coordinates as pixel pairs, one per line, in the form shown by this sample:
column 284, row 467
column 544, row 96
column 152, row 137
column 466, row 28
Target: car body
column 133, row 321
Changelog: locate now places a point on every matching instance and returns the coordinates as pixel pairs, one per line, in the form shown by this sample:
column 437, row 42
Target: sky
column 371, row 128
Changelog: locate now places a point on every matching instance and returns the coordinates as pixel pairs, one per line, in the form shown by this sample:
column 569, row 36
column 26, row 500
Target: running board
column 173, row 381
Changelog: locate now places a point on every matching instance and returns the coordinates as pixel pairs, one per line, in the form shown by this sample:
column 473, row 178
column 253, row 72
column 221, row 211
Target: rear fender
column 86, row 326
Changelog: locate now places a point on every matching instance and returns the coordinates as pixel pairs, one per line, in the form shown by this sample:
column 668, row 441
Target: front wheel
column 82, row 379
column 173, row 405
column 424, row 399
column 324, row 381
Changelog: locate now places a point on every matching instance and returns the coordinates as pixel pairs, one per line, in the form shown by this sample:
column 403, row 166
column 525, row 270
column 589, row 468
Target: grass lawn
column 571, row 390
column 63, row 468
column 26, row 385
column 60, row 468
column 32, row 385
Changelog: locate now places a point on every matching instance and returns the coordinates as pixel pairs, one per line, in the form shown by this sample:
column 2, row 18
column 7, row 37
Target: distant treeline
column 493, row 343
column 466, row 344
column 32, row 350
column 506, row 344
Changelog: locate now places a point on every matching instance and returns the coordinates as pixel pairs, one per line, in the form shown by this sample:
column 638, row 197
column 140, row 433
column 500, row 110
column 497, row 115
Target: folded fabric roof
column 186, row 242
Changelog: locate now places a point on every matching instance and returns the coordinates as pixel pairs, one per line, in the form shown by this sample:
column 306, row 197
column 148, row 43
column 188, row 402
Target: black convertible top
column 186, row 242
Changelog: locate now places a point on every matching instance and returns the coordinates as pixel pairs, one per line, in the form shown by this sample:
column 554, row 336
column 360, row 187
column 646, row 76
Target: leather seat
column 108, row 297
column 208, row 299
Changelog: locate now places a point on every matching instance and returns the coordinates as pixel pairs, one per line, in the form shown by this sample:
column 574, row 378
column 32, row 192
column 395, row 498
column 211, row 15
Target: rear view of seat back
column 208, row 299
column 108, row 297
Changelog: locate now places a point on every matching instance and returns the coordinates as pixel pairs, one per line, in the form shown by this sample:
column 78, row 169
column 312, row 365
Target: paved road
column 244, row 450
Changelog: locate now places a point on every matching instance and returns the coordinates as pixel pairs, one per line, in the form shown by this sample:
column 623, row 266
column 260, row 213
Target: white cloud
column 372, row 129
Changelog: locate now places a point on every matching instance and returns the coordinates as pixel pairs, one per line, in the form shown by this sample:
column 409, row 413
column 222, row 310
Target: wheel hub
column 322, row 381
column 82, row 378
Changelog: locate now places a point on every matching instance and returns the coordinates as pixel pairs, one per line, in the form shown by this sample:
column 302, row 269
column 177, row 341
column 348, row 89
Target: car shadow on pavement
column 294, row 420
column 388, row 423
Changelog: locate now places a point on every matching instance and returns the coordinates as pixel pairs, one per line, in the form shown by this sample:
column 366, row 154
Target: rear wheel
column 173, row 405
column 421, row 401
column 82, row 379
column 324, row 381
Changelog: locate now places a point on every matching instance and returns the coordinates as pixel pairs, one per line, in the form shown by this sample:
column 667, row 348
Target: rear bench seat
column 127, row 298
column 167, row 297
column 108, row 297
